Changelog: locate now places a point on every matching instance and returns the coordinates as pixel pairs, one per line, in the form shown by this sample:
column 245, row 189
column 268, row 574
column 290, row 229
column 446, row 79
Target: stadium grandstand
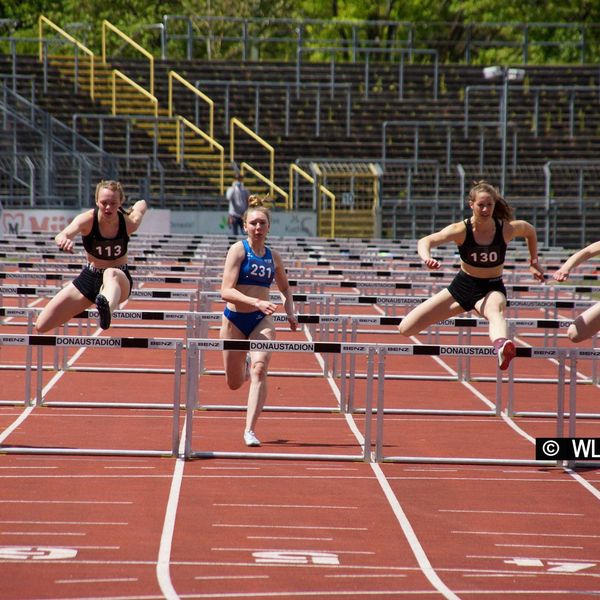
column 374, row 139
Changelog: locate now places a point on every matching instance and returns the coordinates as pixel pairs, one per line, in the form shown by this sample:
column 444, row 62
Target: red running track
column 135, row 527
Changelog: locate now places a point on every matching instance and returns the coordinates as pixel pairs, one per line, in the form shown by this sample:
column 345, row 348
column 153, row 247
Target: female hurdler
column 250, row 268
column 105, row 280
column 482, row 240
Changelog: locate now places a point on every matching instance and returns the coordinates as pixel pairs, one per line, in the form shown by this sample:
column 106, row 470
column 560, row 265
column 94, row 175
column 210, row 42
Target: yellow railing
column 244, row 166
column 44, row 21
column 107, row 25
column 213, row 144
column 117, row 74
column 235, row 122
column 331, row 197
column 296, row 169
column 211, row 105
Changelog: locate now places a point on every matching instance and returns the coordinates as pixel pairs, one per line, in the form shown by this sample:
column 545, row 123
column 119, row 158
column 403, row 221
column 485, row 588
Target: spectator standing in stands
column 482, row 240
column 250, row 268
column 588, row 322
column 237, row 196
column 105, row 280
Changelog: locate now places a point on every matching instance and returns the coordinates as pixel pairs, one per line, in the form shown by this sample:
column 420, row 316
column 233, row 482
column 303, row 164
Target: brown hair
column 502, row 209
column 257, row 203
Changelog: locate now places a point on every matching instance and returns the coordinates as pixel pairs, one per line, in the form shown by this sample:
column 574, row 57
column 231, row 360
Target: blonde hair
column 502, row 209
column 257, row 203
column 115, row 186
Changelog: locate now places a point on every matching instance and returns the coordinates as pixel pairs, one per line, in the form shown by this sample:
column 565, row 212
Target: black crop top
column 103, row 248
column 477, row 255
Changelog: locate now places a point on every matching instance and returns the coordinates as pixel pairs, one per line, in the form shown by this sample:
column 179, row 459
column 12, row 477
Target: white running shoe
column 250, row 439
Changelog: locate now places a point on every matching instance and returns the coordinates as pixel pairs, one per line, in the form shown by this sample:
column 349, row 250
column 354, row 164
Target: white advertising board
column 157, row 221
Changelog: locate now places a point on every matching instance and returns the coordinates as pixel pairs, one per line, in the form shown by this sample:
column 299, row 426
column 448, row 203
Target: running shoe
column 250, row 439
column 103, row 311
column 506, row 352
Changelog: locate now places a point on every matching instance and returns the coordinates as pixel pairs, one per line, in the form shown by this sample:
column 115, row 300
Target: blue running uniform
column 256, row 270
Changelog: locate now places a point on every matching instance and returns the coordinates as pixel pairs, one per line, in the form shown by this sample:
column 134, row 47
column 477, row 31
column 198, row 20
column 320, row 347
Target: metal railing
column 106, row 26
column 58, row 157
column 238, row 38
column 77, row 47
column 235, row 124
column 173, row 77
column 225, row 86
column 453, row 129
column 368, row 53
column 571, row 91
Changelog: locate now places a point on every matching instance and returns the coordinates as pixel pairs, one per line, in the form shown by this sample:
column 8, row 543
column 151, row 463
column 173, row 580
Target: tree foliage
column 443, row 25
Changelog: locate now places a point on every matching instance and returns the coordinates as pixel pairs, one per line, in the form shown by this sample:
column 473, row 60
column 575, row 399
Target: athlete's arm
column 80, row 225
column 451, row 233
column 284, row 289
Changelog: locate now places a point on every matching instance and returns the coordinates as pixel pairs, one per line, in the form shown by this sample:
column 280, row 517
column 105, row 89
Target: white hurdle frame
column 41, row 341
column 197, row 346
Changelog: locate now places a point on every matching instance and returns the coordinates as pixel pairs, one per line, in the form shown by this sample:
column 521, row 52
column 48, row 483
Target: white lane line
column 546, row 558
column 229, row 577
column 512, row 512
column 231, row 469
column 289, row 538
column 411, row 537
column 409, row 533
column 529, row 534
column 262, row 549
column 309, row 506
column 49, row 533
column 22, row 468
column 511, row 575
column 120, row 476
column 336, row 469
column 310, row 527
column 93, row 502
column 107, row 580
column 163, row 563
column 131, row 467
column 24, row 522
column 22, row 417
column 539, row 546
column 365, row 575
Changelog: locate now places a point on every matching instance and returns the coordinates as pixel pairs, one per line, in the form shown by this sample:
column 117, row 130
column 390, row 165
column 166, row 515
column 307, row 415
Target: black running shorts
column 468, row 290
column 89, row 281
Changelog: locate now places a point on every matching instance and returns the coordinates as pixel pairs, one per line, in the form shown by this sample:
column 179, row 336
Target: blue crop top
column 103, row 248
column 476, row 255
column 256, row 270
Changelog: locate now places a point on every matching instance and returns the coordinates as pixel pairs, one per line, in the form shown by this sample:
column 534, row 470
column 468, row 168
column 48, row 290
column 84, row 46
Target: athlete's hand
column 432, row 263
column 293, row 320
column 265, row 306
column 64, row 243
column 536, row 271
column 561, row 275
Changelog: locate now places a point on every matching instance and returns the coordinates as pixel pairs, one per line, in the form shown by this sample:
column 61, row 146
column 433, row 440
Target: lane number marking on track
column 552, row 566
column 296, row 557
column 36, row 553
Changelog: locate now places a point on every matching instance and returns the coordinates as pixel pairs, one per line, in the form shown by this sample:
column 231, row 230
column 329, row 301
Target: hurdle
column 41, row 341
column 564, row 418
column 373, row 443
column 436, row 350
column 197, row 346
